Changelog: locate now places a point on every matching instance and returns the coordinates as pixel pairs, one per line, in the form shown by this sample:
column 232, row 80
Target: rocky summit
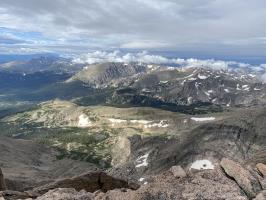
column 129, row 131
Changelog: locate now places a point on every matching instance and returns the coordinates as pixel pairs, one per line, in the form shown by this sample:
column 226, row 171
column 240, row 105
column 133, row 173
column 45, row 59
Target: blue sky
column 207, row 28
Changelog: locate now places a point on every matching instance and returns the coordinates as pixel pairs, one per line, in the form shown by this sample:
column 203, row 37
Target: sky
column 189, row 27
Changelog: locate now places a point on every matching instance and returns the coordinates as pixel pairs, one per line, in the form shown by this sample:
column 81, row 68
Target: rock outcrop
column 90, row 182
column 66, row 194
column 2, row 181
column 205, row 184
column 242, row 176
column 262, row 169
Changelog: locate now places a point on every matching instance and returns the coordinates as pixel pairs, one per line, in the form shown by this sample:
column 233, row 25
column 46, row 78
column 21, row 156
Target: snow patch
column 189, row 100
column 202, row 119
column 202, row 76
column 226, row 90
column 161, row 124
column 207, row 93
column 202, row 165
column 252, row 75
column 140, row 121
column 113, row 120
column 214, row 100
column 141, row 179
column 84, row 121
column 142, row 161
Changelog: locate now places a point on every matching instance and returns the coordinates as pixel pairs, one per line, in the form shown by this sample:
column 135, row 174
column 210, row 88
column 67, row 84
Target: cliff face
column 2, row 181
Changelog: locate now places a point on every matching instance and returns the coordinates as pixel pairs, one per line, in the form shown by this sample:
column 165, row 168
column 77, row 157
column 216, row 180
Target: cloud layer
column 145, row 57
column 221, row 26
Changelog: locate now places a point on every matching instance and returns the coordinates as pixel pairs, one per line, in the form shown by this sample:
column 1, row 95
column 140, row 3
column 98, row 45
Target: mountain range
column 168, row 132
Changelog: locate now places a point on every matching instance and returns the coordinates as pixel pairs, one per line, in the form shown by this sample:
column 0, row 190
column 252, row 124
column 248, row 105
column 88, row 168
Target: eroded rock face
column 2, row 181
column 90, row 182
column 243, row 178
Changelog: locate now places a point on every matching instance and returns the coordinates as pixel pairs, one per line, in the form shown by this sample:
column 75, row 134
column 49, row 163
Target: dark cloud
column 211, row 25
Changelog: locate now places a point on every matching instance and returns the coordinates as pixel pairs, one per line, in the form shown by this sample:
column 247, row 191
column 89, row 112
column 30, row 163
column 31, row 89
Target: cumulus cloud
column 145, row 57
column 117, row 56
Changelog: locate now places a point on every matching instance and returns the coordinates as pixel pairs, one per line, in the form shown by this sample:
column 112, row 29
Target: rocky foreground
column 228, row 180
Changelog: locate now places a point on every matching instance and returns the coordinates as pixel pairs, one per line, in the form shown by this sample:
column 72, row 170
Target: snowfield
column 202, row 119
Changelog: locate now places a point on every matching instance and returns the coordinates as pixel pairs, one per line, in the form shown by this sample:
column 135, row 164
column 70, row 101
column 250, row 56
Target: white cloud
column 145, row 57
column 117, row 56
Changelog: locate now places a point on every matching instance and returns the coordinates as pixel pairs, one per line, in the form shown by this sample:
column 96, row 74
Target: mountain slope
column 43, row 63
column 27, row 164
column 102, row 74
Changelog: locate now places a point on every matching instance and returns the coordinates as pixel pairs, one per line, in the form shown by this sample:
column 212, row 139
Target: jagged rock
column 66, row 194
column 91, row 182
column 178, row 171
column 13, row 195
column 2, row 181
column 261, row 195
column 206, row 184
column 262, row 169
column 243, row 178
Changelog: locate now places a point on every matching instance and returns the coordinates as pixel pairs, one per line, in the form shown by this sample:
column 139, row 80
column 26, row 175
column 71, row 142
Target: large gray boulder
column 178, row 171
column 243, row 178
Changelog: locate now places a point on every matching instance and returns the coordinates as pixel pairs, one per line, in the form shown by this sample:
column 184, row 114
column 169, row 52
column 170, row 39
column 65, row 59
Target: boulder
column 2, row 181
column 178, row 171
column 90, row 182
column 262, row 169
column 243, row 178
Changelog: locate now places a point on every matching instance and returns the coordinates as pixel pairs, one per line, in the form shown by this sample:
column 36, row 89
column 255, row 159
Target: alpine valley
column 131, row 130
